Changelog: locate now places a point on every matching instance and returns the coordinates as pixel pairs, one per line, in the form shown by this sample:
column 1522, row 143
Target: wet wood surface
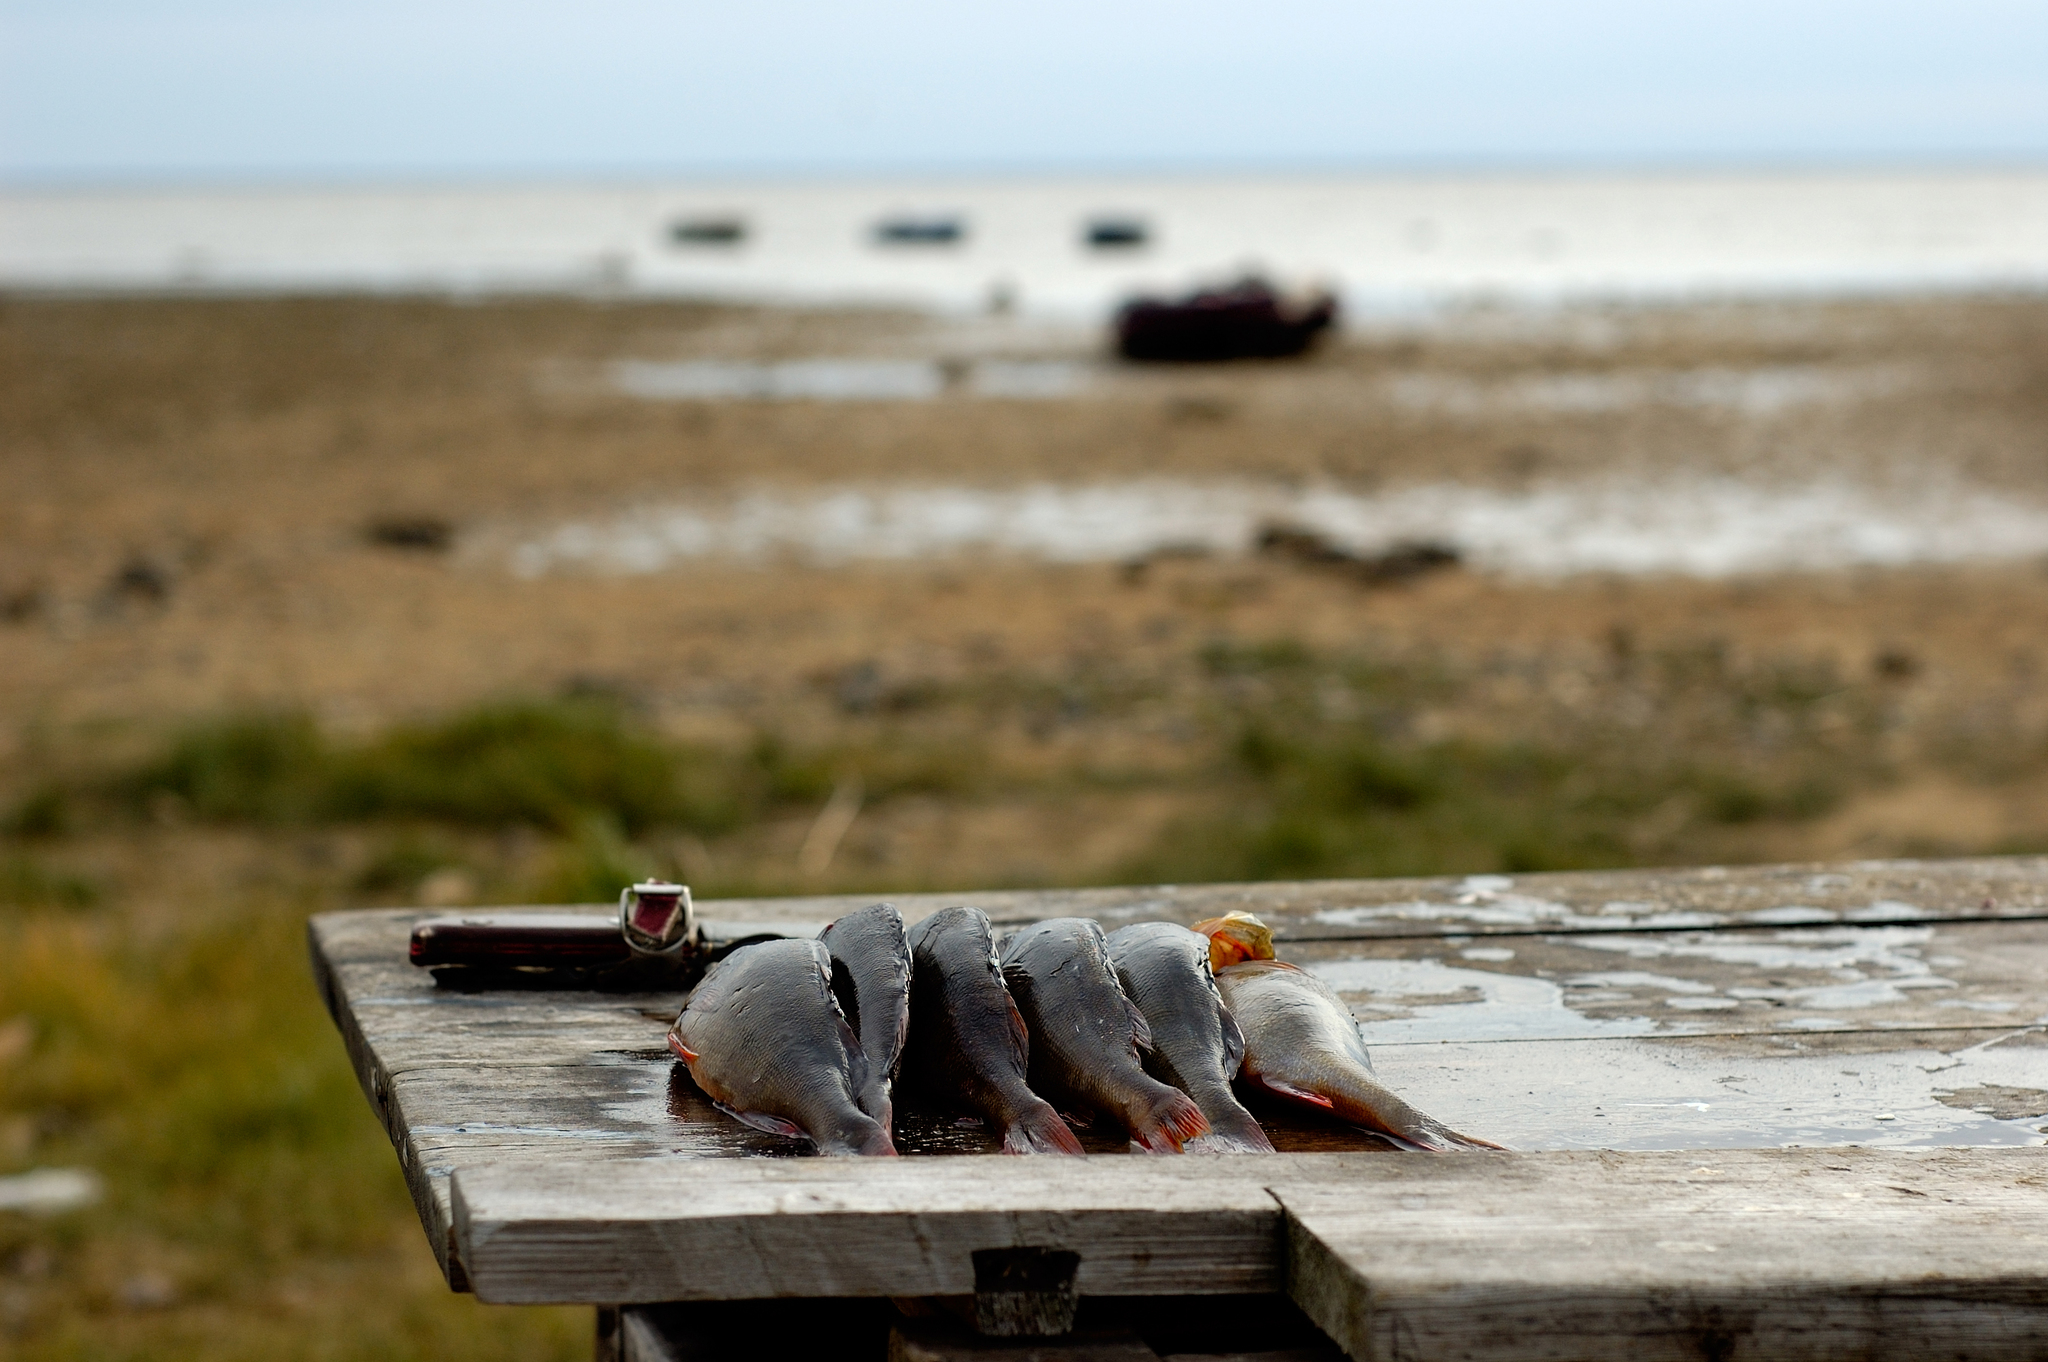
column 1893, row 1006
column 1780, row 1254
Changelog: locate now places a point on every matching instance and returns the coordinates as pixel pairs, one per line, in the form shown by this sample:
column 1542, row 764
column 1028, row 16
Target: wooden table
column 1775, row 1112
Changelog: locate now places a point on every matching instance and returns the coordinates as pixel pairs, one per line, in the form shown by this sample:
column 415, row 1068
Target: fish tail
column 877, row 1100
column 1364, row 1102
column 1235, row 1133
column 853, row 1139
column 1168, row 1120
column 1040, row 1131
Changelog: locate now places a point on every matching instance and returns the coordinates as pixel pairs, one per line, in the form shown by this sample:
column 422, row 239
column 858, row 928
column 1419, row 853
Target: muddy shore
column 222, row 505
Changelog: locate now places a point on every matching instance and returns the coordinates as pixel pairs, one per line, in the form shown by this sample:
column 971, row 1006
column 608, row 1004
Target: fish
column 764, row 1037
column 968, row 1043
column 1302, row 1044
column 1088, row 1038
column 871, row 976
column 1196, row 1044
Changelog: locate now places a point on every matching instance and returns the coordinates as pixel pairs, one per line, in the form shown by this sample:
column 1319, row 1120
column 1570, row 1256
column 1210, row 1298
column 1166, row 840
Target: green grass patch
column 247, row 1181
column 1321, row 774
column 25, row 882
column 544, row 764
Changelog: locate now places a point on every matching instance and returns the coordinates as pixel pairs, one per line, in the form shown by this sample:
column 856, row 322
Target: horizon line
column 367, row 177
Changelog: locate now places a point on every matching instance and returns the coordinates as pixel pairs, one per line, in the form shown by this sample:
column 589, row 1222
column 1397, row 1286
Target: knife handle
column 514, row 940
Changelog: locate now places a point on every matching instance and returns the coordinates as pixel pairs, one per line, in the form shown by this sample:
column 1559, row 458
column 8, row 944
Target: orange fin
column 1281, row 1088
column 683, row 1052
column 1040, row 1131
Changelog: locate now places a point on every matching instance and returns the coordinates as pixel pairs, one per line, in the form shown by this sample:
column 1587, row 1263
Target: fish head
column 1236, row 937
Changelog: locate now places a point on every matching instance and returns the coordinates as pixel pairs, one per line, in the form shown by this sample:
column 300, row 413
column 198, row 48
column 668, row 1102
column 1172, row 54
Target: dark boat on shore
column 1248, row 320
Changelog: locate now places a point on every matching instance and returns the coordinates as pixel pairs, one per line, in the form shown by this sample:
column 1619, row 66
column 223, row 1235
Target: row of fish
column 1149, row 1026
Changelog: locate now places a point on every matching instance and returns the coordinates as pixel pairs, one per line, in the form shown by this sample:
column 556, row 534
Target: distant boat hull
column 1249, row 320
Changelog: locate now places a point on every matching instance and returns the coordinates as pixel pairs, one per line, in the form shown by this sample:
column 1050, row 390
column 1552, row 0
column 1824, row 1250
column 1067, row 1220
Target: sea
column 1054, row 247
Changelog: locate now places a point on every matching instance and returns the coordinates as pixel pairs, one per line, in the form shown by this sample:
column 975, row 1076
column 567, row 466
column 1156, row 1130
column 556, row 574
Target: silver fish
column 1086, row 1036
column 969, row 1045
column 871, row 976
column 1196, row 1044
column 1302, row 1045
column 765, row 1039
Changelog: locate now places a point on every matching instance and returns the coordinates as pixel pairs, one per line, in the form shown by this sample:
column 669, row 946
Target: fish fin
column 1040, row 1131
column 683, row 1052
column 902, row 1038
column 1172, row 1120
column 1141, row 1029
column 1368, row 1105
column 1233, row 1042
column 1432, row 1139
column 761, row 1120
column 856, row 1058
column 1280, row 1087
column 871, row 1142
column 1232, row 1130
column 1020, row 1034
column 1216, row 1142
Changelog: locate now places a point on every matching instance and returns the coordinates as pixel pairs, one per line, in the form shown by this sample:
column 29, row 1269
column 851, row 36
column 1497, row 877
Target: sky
column 112, row 90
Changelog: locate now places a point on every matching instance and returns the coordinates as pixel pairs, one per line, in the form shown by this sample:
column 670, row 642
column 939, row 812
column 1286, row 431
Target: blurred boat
column 1116, row 233
column 708, row 231
column 920, row 231
column 1248, row 320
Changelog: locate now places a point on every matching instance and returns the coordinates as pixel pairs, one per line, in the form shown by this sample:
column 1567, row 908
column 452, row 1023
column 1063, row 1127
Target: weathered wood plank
column 677, row 1230
column 1781, row 1254
column 1593, row 901
column 1875, row 1088
column 1874, row 1004
column 1599, row 901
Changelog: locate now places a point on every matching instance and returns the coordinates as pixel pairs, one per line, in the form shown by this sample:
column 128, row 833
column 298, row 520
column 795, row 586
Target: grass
column 546, row 764
column 1321, row 773
column 253, row 1208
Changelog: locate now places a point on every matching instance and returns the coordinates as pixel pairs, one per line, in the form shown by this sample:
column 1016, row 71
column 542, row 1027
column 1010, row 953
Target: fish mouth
column 1235, row 938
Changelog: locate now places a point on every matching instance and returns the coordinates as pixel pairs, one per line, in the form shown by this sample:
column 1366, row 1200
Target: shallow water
column 1685, row 526
column 1390, row 241
column 1637, row 1094
column 845, row 380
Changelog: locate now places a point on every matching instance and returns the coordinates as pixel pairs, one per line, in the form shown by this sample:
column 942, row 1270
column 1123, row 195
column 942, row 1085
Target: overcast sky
column 245, row 89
